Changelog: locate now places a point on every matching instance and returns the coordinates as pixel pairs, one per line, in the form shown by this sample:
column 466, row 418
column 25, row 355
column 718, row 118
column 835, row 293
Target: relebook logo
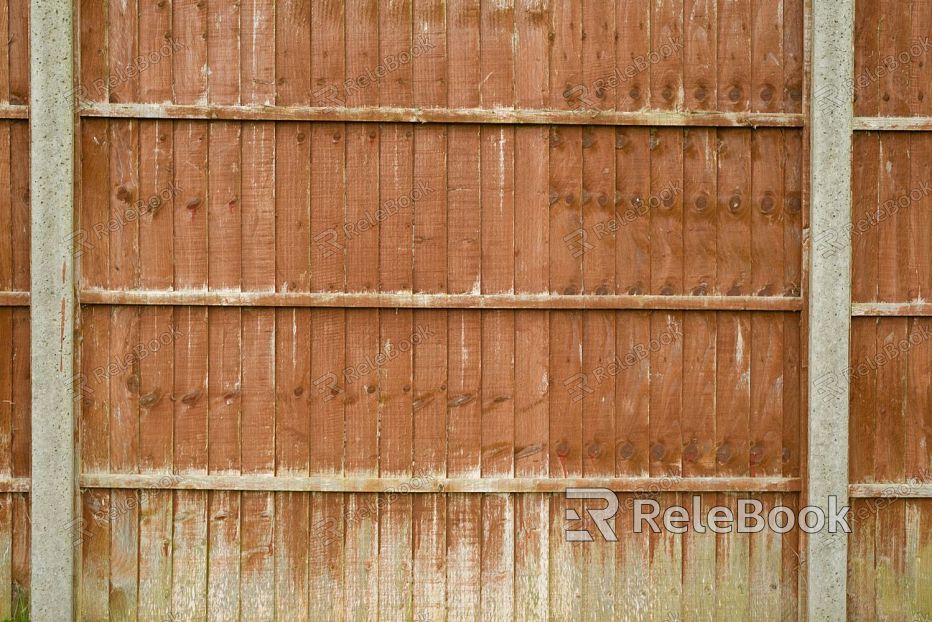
column 749, row 518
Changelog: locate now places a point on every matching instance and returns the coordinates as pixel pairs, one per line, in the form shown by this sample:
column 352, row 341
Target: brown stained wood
column 14, row 299
column 392, row 114
column 700, row 54
column 91, row 296
column 892, row 124
column 734, row 55
column 666, row 74
column 424, row 484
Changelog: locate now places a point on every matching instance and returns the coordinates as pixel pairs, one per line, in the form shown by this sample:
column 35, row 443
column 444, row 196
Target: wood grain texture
column 388, row 246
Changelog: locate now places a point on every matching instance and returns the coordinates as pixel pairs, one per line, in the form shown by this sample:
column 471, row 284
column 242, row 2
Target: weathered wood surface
column 335, row 288
column 891, row 346
column 15, row 387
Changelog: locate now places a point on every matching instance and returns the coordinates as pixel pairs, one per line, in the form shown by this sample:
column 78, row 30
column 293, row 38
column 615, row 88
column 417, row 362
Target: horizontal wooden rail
column 12, row 111
column 506, row 116
column 893, row 124
column 437, row 301
column 905, row 490
column 427, row 484
column 14, row 299
column 15, row 484
column 891, row 309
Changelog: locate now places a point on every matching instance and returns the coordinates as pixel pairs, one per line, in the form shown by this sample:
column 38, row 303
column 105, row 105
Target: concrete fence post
column 52, row 319
column 830, row 300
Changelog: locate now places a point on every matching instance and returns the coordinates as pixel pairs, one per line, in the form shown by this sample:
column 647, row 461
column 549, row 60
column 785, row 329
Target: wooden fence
column 359, row 288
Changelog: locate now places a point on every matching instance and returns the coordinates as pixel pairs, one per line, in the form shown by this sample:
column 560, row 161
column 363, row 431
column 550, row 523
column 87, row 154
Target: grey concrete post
column 830, row 299
column 52, row 192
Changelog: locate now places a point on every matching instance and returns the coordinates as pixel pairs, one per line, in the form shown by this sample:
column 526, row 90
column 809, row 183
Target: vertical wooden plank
column 463, row 460
column 91, row 242
column 700, row 61
column 865, row 251
column 497, row 327
column 189, row 547
column 362, row 326
column 156, row 271
column 867, row 18
column 893, row 231
column 597, row 198
column 734, row 55
column 396, row 255
column 190, row 32
column 5, row 57
column 632, row 45
column 666, row 75
column 257, row 424
column 22, row 459
column 700, row 168
column 733, row 406
column 94, row 56
column 224, row 452
column 766, row 438
column 126, row 351
column 890, row 465
column 6, row 555
column 666, row 454
column 794, row 46
column 6, row 211
column 919, row 259
column 632, row 455
column 126, row 347
column 792, row 213
column 293, row 339
column 325, row 585
column 767, row 60
column 565, row 155
column 94, row 533
column 568, row 383
column 21, row 199
column 632, row 197
column 20, row 54
column 734, row 213
column 532, row 329
column 6, row 455
column 698, row 429
column 464, row 527
column 429, row 512
column 666, row 211
column 225, row 267
column 155, row 20
column 766, row 212
column 918, row 464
